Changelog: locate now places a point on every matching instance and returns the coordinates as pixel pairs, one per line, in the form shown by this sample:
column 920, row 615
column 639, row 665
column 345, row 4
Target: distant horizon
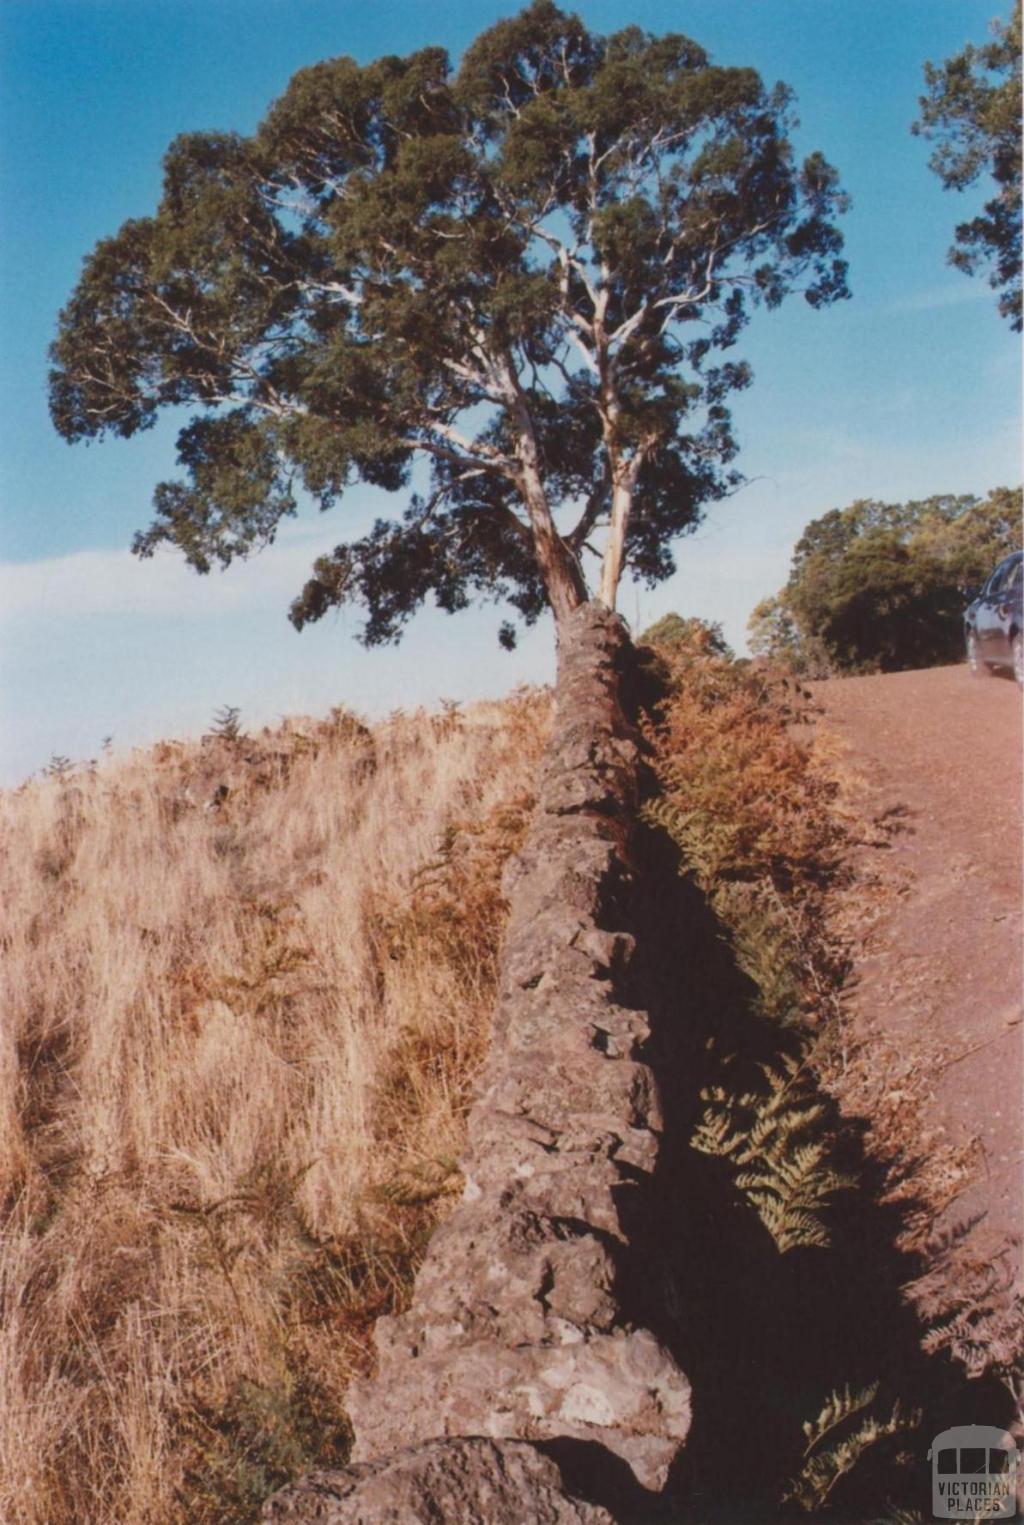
column 908, row 390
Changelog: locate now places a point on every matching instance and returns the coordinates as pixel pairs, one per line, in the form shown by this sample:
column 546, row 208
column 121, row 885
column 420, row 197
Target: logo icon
column 974, row 1473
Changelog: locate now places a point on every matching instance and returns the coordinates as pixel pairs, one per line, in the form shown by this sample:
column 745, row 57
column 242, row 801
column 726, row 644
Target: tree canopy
column 972, row 112
column 527, row 272
column 882, row 586
column 679, row 633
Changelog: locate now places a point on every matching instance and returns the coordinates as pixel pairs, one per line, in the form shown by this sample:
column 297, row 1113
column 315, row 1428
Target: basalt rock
column 520, row 1328
column 449, row 1481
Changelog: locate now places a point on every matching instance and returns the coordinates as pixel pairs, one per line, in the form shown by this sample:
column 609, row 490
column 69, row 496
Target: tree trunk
column 615, row 550
column 559, row 569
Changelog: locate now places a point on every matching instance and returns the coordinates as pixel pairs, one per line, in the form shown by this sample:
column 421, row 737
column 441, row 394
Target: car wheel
column 974, row 662
column 1017, row 647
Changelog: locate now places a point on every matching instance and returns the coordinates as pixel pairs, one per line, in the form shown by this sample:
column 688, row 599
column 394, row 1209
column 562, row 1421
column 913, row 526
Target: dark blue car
column 993, row 623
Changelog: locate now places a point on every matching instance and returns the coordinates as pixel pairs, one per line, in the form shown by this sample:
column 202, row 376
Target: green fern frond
column 780, row 1148
column 714, row 1135
column 791, row 1228
column 824, row 1466
column 837, row 1407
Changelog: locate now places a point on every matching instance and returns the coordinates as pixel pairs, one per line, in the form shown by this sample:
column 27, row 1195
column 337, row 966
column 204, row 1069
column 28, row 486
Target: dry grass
column 240, row 1034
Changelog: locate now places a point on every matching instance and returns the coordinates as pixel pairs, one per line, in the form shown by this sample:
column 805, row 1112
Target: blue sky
column 909, row 389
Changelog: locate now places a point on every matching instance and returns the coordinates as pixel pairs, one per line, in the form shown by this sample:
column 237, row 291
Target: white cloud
column 107, row 582
column 933, row 298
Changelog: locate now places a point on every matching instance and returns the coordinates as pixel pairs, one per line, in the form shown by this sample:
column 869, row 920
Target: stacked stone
column 517, row 1331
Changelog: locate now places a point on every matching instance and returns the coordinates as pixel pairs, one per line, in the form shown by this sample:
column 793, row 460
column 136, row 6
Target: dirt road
column 938, row 954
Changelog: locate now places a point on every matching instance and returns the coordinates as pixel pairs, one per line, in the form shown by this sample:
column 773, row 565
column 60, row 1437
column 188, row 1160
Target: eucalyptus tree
column 972, row 112
column 526, row 272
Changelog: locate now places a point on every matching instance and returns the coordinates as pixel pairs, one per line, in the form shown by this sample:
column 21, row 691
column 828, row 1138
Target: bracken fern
column 775, row 1141
column 829, row 1455
column 754, row 822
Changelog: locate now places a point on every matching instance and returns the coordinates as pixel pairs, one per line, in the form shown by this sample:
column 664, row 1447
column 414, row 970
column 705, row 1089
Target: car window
column 1015, row 578
column 1000, row 577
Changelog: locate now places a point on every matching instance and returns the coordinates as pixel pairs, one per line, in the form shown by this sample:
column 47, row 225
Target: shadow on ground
column 764, row 1337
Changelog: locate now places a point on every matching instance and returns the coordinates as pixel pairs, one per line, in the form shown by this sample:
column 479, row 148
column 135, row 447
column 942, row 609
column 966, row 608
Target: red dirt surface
column 937, row 944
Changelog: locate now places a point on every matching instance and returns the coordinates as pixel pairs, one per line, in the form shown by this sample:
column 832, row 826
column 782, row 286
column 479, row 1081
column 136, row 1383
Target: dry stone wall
column 518, row 1350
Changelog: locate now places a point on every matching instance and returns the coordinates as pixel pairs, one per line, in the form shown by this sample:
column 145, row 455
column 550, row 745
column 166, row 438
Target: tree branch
column 598, row 499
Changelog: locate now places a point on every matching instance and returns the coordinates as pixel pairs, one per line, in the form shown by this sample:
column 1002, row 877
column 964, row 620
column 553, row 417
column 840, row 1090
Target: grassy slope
column 234, row 1065
column 240, row 1036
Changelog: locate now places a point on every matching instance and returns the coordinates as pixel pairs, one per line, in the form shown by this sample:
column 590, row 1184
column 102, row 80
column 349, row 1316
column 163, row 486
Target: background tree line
column 882, row 586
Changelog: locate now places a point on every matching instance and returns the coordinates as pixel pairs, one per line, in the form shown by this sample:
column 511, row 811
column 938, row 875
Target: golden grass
column 237, row 1049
